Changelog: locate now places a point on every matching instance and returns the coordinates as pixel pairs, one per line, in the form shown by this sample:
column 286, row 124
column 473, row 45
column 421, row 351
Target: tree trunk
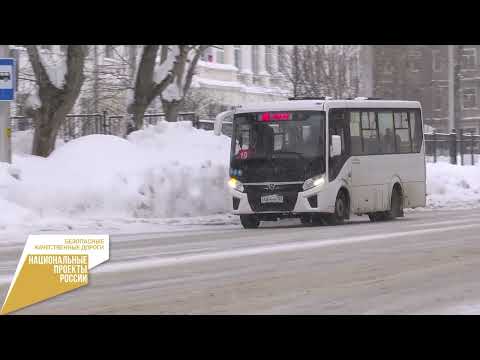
column 171, row 110
column 55, row 102
column 45, row 135
column 137, row 111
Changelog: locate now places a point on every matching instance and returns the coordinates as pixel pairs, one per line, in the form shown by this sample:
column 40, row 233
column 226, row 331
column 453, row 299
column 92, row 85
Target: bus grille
column 289, row 193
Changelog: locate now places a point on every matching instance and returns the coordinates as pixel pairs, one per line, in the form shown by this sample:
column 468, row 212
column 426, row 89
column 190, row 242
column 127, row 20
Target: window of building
column 353, row 71
column 255, row 59
column 281, row 59
column 469, row 58
column 437, row 63
column 438, row 98
column 238, row 55
column 388, row 67
column 109, row 51
column 268, row 58
column 414, row 60
column 469, row 98
column 208, row 55
column 220, row 52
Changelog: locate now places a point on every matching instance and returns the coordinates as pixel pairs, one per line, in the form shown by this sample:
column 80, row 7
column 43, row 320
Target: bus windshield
column 278, row 146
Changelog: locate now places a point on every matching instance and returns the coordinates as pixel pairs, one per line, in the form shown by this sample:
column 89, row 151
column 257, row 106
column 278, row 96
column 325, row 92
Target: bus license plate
column 272, row 199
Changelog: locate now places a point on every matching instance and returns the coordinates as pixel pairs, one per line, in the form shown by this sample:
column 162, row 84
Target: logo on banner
column 51, row 265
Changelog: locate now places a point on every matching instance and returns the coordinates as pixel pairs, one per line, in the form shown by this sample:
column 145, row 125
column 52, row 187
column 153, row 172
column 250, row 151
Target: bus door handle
column 356, row 161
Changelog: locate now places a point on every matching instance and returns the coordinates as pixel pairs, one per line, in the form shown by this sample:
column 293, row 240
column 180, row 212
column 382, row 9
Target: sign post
column 7, row 94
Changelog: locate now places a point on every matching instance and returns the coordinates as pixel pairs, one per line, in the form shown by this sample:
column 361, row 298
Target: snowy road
column 427, row 262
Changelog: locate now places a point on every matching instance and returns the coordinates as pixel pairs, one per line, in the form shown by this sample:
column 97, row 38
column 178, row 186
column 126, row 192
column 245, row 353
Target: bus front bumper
column 324, row 203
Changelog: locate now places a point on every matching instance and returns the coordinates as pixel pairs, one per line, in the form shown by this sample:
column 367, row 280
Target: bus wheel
column 319, row 220
column 377, row 216
column 340, row 210
column 397, row 204
column 306, row 219
column 249, row 221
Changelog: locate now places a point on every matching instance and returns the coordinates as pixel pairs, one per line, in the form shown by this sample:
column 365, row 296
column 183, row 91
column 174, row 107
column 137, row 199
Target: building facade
column 426, row 73
column 242, row 74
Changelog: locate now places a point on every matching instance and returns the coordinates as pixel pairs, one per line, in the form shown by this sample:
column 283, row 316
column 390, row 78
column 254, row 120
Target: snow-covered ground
column 163, row 177
column 452, row 186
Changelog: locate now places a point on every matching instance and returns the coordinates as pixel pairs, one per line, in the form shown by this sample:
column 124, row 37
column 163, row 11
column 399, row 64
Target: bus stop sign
column 7, row 79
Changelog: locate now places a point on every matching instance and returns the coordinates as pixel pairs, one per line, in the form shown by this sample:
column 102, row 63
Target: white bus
column 323, row 160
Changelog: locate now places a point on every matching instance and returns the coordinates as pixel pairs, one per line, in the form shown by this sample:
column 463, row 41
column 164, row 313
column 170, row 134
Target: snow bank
column 453, row 186
column 169, row 170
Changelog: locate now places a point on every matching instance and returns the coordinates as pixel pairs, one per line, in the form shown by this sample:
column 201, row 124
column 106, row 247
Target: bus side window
column 385, row 129
column 338, row 125
column 355, row 138
column 416, row 129
column 369, row 133
column 402, row 133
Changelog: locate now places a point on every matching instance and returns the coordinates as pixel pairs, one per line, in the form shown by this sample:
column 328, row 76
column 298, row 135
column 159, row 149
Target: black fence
column 460, row 147
column 77, row 125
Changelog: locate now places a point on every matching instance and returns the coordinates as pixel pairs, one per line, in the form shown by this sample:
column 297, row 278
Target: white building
column 242, row 74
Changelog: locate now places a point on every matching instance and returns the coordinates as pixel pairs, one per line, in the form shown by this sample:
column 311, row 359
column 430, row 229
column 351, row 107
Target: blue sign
column 7, row 79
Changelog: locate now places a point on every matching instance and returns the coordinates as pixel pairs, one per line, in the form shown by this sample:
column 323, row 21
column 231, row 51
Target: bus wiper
column 300, row 155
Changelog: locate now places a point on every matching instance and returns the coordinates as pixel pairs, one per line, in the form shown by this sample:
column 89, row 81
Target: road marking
column 460, row 310
column 448, row 222
column 267, row 249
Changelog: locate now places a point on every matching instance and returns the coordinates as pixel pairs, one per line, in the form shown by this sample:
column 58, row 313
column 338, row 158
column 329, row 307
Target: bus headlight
column 314, row 182
column 235, row 184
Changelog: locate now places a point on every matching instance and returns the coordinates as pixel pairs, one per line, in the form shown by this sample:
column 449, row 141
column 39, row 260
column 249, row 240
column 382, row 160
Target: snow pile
column 168, row 170
column 452, row 186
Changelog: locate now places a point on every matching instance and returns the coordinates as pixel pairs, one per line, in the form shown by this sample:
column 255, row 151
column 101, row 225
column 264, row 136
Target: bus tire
column 306, row 219
column 396, row 207
column 341, row 208
column 318, row 220
column 377, row 216
column 249, row 221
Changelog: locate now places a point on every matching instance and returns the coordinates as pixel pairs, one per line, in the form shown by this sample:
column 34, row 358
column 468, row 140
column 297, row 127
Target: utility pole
column 454, row 86
column 457, row 87
column 295, row 70
column 5, row 129
column 451, row 83
column 95, row 79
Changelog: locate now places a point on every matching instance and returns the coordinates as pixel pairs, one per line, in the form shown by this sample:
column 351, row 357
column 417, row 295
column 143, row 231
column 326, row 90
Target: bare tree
column 322, row 70
column 55, row 99
column 203, row 103
column 291, row 69
column 170, row 80
column 172, row 101
column 107, row 82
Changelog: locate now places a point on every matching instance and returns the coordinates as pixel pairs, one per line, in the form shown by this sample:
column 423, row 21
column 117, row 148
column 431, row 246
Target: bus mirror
column 217, row 127
column 336, row 146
